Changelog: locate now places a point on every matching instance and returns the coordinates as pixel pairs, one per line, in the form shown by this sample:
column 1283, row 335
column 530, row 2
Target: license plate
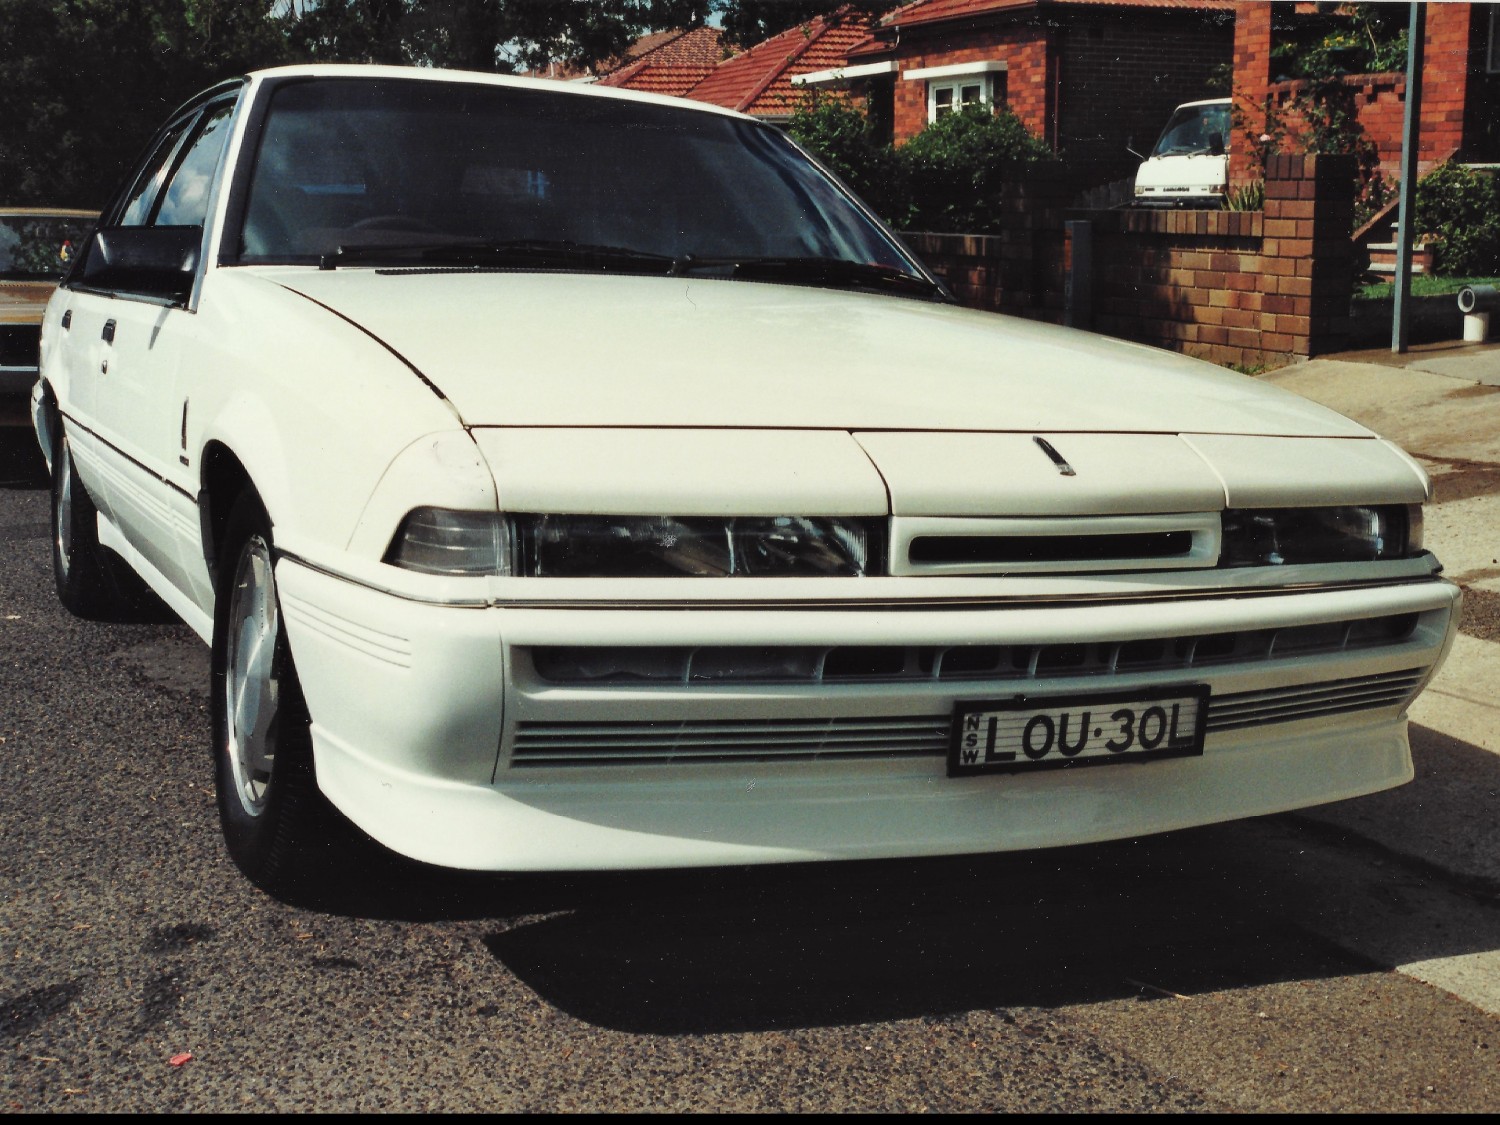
column 1049, row 732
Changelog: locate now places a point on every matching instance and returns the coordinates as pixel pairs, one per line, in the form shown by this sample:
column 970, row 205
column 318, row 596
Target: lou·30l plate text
column 1024, row 733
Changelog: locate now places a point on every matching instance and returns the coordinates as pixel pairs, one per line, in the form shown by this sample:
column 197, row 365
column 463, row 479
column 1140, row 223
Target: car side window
column 184, row 201
column 138, row 206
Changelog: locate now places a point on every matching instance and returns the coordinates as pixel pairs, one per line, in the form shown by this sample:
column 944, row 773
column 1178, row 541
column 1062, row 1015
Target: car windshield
column 39, row 247
column 1192, row 130
column 378, row 171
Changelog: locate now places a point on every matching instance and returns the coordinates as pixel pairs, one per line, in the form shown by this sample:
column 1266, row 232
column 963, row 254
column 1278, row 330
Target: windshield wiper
column 831, row 272
column 518, row 251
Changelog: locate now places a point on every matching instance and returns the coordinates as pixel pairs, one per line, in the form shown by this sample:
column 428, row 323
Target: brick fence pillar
column 1308, row 258
column 1252, row 88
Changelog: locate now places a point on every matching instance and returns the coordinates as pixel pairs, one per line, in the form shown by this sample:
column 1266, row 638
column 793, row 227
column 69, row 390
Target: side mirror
column 1216, row 144
column 149, row 261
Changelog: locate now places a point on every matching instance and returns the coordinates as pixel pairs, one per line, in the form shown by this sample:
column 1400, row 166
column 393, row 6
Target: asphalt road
column 1245, row 966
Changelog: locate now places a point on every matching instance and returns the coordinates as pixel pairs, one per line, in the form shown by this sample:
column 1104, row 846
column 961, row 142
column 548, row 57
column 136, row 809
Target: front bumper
column 426, row 720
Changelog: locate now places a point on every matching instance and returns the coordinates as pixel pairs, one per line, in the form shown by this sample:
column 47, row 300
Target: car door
column 139, row 403
column 87, row 327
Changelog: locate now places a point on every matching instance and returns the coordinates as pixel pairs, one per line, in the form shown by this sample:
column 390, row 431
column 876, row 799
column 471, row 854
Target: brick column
column 1308, row 258
column 1252, row 85
column 1445, row 82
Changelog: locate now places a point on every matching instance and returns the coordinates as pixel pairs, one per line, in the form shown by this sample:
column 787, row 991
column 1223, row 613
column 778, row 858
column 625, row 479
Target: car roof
column 433, row 74
column 1206, row 101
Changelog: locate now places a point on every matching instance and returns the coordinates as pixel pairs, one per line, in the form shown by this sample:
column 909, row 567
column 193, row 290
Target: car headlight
column 1281, row 536
column 436, row 541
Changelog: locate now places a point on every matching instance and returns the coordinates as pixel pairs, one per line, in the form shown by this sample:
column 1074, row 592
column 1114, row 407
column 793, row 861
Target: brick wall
column 1251, row 287
column 1460, row 101
column 1445, row 79
column 1380, row 102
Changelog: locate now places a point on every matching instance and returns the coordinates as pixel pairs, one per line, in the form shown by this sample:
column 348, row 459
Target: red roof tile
column 932, row 11
column 669, row 62
column 758, row 81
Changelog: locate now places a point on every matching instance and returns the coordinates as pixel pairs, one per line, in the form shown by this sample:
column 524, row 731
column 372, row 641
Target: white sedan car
column 575, row 479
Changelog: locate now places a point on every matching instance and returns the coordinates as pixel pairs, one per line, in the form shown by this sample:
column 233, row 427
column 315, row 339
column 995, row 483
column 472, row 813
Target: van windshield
column 360, row 170
column 1194, row 129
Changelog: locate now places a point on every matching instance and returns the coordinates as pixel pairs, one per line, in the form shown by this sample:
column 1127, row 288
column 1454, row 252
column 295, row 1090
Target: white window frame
column 983, row 81
column 955, row 77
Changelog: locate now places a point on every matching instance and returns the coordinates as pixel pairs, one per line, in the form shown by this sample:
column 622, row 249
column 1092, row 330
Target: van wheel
column 79, row 565
column 270, row 808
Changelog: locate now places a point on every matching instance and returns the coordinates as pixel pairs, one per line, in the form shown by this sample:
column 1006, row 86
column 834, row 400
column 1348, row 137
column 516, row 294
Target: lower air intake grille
column 1307, row 701
column 729, row 740
column 920, row 736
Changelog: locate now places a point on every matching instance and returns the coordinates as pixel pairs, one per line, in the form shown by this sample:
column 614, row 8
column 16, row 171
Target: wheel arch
column 46, row 418
column 224, row 477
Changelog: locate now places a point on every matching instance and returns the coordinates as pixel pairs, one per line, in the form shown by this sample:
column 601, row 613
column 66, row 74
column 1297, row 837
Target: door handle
column 108, row 335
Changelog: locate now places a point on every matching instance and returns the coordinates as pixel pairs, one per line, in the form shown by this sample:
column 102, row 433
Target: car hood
column 561, row 349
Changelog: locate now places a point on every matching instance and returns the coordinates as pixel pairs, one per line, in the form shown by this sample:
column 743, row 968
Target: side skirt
column 200, row 622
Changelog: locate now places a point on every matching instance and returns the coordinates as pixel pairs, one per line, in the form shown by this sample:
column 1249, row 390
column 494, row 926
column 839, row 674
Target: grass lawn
column 1422, row 285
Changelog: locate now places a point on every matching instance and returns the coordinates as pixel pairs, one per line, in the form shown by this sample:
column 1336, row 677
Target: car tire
column 79, row 565
column 275, row 820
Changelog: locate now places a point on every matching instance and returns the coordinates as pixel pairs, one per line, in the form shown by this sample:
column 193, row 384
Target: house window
column 953, row 87
column 957, row 93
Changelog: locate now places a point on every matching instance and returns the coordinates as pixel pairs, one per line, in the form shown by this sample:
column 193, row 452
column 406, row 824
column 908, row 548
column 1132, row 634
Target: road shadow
column 758, row 948
column 22, row 465
column 1446, row 821
column 841, row 944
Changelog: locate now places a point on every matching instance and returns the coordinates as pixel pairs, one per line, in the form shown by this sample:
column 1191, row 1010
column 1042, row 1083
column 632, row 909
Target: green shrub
column 957, row 168
column 1247, row 197
column 1461, row 208
column 949, row 177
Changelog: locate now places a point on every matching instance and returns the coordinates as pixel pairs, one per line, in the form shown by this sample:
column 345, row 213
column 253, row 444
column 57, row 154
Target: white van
column 1189, row 167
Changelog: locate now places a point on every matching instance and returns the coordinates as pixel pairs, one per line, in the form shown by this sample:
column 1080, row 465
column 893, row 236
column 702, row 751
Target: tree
column 747, row 22
column 84, row 83
column 485, row 35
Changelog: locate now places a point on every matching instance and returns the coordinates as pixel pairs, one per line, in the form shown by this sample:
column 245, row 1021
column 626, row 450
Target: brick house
column 1086, row 75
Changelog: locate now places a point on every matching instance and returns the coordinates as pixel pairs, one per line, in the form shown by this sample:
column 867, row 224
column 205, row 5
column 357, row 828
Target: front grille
column 728, row 740
column 927, row 550
column 20, row 345
column 1308, row 701
column 920, row 736
column 895, row 663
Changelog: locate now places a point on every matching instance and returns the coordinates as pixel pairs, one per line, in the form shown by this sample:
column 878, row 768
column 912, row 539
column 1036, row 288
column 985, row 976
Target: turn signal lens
column 439, row 541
